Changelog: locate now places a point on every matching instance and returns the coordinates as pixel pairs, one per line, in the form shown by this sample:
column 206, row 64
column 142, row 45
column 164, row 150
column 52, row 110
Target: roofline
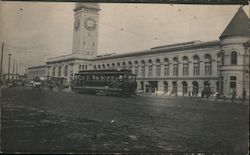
column 160, row 50
column 67, row 59
column 37, row 66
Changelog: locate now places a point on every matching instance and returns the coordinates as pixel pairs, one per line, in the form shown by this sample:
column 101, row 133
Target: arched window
column 136, row 68
column 234, row 58
column 143, row 68
column 218, row 63
column 175, row 67
column 54, row 71
column 113, row 64
column 150, row 68
column 185, row 66
column 166, row 67
column 208, row 65
column 108, row 66
column 66, row 70
column 130, row 65
column 158, row 67
column 118, row 64
column 59, row 71
column 196, row 65
column 103, row 66
column 99, row 66
column 124, row 65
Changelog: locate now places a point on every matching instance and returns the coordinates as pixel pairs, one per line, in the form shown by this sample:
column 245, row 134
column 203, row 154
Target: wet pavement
column 38, row 121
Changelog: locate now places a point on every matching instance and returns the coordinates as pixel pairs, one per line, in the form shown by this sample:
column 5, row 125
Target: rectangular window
column 175, row 70
column 136, row 70
column 233, row 82
column 208, row 70
column 185, row 69
column 196, row 68
column 150, row 70
column 166, row 70
column 158, row 70
column 143, row 71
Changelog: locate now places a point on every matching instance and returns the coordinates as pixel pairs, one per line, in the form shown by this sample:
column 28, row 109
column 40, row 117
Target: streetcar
column 105, row 82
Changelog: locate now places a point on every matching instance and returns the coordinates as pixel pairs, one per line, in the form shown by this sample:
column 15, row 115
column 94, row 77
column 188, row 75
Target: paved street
column 39, row 121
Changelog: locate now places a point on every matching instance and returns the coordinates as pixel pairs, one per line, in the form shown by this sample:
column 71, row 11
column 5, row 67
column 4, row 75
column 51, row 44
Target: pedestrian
column 202, row 93
column 233, row 95
column 244, row 94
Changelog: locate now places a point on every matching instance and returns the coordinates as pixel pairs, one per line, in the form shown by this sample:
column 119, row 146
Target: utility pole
column 1, row 68
column 9, row 68
column 13, row 71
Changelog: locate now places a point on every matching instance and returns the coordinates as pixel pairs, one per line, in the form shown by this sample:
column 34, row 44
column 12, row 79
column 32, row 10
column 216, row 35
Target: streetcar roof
column 105, row 72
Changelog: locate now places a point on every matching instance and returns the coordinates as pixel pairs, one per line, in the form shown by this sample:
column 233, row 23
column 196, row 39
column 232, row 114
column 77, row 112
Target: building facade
column 181, row 69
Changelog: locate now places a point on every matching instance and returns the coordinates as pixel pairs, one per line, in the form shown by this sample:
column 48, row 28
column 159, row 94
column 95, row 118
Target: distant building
column 37, row 71
column 10, row 77
column 182, row 69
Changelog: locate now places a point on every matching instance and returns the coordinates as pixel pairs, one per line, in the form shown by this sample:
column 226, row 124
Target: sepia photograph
column 124, row 78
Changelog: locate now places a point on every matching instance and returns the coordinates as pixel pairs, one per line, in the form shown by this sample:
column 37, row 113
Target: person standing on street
column 244, row 94
column 233, row 95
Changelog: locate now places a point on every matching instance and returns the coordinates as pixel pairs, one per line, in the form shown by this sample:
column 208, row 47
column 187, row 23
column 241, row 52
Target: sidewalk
column 226, row 100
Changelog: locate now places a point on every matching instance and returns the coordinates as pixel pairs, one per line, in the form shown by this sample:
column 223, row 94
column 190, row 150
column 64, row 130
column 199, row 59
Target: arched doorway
column 174, row 91
column 207, row 89
column 195, row 88
column 142, row 85
column 165, row 86
column 184, row 87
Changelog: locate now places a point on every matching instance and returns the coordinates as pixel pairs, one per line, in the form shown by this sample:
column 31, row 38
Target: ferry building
column 222, row 65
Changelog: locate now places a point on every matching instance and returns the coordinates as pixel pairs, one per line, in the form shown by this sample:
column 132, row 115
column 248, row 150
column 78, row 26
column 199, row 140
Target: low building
column 37, row 71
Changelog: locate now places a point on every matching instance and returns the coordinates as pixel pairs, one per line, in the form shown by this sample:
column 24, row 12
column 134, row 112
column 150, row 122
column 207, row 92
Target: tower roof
column 238, row 26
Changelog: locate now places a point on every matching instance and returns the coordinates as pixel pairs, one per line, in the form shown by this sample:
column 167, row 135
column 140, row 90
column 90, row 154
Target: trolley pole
column 13, row 71
column 9, row 68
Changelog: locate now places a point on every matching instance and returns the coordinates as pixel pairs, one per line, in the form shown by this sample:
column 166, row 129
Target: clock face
column 90, row 24
column 77, row 24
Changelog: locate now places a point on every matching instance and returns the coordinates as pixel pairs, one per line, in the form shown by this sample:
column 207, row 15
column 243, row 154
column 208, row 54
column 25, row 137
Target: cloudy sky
column 32, row 32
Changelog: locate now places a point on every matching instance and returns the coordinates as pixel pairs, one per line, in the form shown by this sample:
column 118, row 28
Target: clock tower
column 85, row 35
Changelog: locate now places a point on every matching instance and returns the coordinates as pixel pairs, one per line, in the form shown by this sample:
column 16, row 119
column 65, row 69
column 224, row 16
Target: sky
column 35, row 31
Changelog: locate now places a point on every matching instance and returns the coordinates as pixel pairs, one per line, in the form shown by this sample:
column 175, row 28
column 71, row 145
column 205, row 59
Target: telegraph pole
column 9, row 68
column 13, row 71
